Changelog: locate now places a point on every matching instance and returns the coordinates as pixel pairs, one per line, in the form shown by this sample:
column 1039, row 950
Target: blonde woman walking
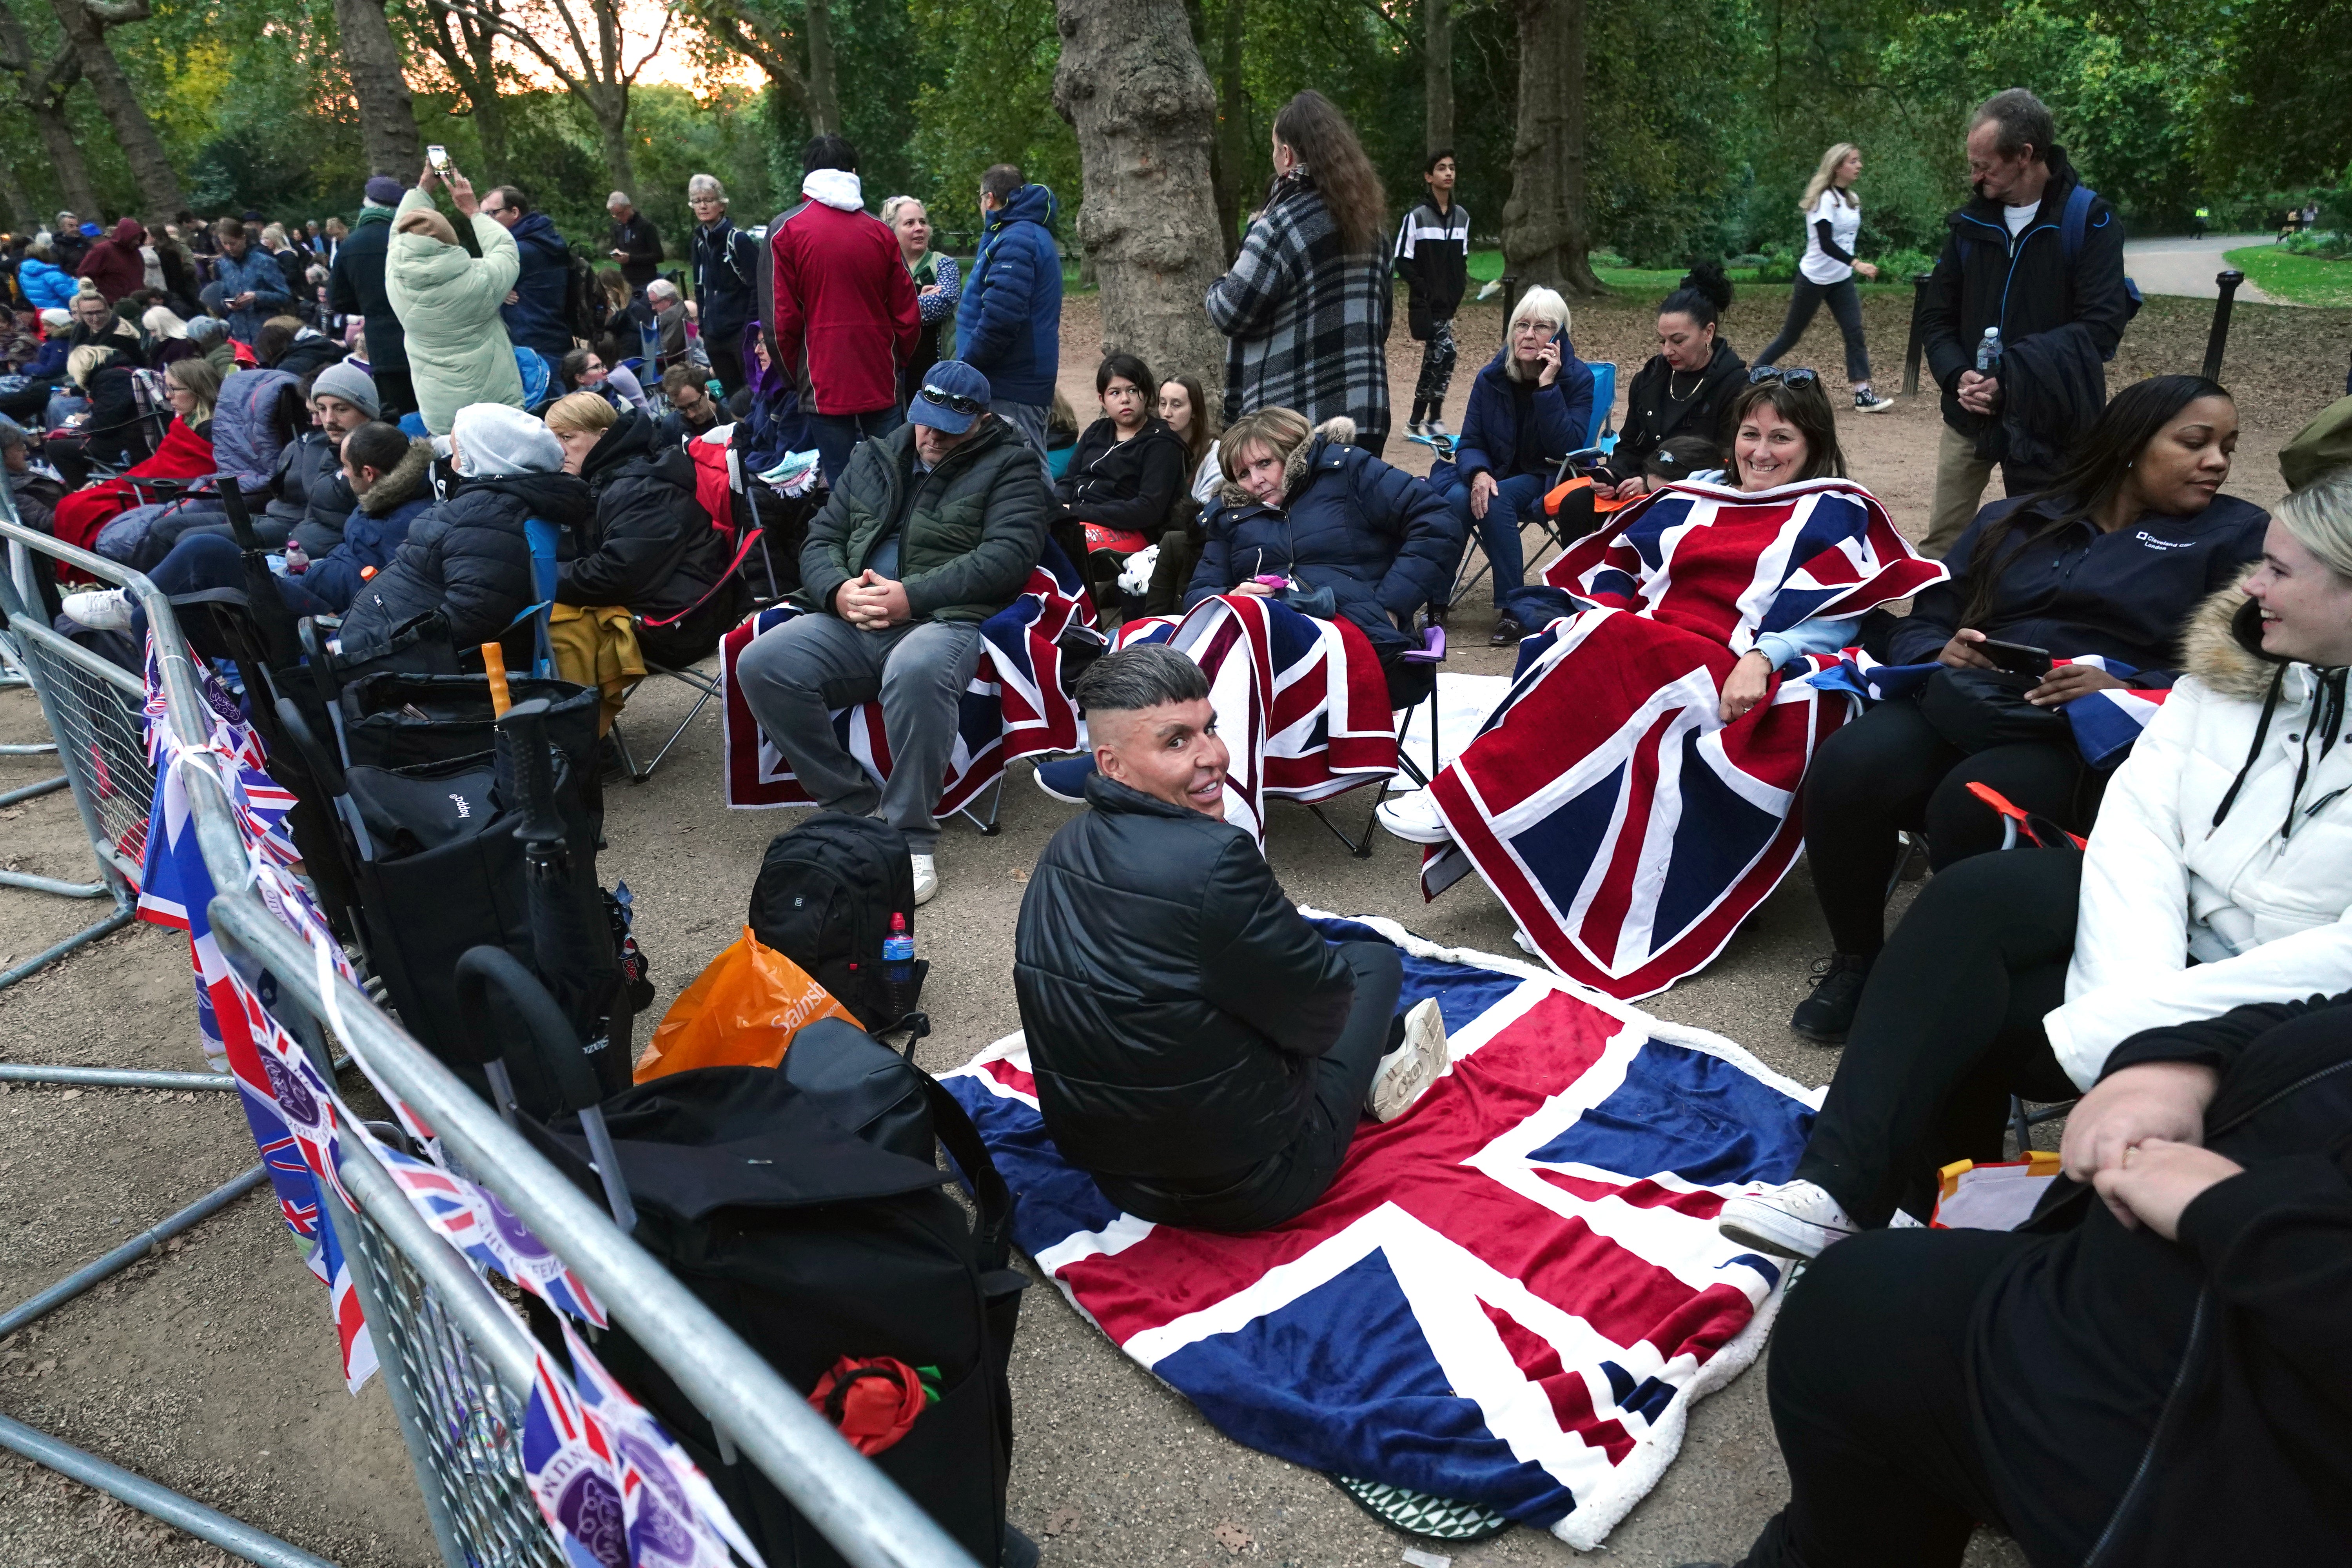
column 1832, row 226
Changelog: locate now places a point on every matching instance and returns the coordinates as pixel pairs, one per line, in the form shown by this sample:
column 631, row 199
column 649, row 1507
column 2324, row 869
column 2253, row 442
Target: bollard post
column 1912, row 348
column 1510, row 281
column 2228, row 282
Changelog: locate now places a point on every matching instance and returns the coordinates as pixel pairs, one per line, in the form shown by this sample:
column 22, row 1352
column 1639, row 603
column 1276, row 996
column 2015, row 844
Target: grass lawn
column 2297, row 279
column 1485, row 266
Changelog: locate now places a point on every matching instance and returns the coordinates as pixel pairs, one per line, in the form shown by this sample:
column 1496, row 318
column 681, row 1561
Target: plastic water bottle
column 1989, row 353
column 898, row 968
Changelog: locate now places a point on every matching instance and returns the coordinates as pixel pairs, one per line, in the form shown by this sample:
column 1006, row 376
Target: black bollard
column 1510, row 281
column 2228, row 282
column 1911, row 350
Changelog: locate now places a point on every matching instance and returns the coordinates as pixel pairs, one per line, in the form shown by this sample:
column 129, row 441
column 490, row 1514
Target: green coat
column 447, row 302
column 976, row 525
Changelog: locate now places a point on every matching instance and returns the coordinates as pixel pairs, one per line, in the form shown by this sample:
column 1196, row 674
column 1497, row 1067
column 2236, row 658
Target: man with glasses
column 533, row 311
column 726, row 279
column 931, row 530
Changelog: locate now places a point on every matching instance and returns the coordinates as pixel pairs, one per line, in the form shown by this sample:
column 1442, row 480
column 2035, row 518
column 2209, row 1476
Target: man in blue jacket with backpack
column 1009, row 326
column 2037, row 258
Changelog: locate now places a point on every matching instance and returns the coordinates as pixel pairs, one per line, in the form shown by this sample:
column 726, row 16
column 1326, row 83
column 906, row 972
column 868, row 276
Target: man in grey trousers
column 932, row 528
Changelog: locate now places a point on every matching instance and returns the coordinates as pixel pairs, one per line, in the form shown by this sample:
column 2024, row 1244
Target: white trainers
column 1413, row 817
column 102, row 610
column 926, row 877
column 1795, row 1219
column 1435, row 430
column 1406, row 1073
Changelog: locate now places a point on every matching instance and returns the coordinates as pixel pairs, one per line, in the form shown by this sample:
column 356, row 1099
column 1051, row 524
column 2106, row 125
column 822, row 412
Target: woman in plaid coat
column 1306, row 308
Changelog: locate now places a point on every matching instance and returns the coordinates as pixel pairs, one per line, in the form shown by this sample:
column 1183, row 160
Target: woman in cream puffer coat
column 447, row 302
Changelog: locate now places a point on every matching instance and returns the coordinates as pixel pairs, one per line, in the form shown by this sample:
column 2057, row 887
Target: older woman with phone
column 2110, row 562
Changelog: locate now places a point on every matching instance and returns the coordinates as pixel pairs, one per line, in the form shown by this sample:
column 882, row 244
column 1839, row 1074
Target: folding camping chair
column 1430, row 652
column 2017, row 826
column 1600, row 440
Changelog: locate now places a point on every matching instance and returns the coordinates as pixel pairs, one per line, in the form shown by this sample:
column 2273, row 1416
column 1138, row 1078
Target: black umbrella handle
column 525, row 726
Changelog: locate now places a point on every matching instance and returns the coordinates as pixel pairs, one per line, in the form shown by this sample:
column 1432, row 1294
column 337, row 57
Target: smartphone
column 2016, row 657
column 439, row 158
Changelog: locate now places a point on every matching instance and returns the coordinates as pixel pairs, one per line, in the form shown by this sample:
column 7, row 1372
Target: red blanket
column 184, row 455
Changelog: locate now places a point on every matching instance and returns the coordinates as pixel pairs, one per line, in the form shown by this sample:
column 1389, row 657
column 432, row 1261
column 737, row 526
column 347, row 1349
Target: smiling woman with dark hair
column 2108, row 562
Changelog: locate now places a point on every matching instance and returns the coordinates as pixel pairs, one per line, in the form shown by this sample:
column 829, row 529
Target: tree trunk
column 490, row 110
column 74, row 182
column 823, row 97
column 1132, row 85
column 611, row 109
column 1234, row 154
column 22, row 214
column 159, row 184
column 388, row 138
column 1437, row 74
column 1544, row 234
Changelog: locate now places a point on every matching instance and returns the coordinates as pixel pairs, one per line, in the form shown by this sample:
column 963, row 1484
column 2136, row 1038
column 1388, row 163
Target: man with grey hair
column 726, row 279
column 1198, row 1048
column 2038, row 260
column 669, row 318
column 636, row 243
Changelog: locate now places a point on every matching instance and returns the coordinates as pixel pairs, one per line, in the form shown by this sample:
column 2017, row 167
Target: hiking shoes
column 1405, row 1074
column 1507, row 631
column 1871, row 402
column 1824, row 1016
column 1795, row 1219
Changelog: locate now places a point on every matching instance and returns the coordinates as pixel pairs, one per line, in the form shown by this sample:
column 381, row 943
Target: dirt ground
column 212, row 1368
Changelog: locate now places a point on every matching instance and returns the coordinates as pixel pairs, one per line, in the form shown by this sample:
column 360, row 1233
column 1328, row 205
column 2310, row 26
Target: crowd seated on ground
column 1530, row 407
column 2109, row 564
column 1686, row 388
column 1123, row 480
column 1199, row 1048
column 1309, row 518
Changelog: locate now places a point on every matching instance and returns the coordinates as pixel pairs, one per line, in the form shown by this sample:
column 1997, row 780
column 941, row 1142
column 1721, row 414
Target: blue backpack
column 2071, row 228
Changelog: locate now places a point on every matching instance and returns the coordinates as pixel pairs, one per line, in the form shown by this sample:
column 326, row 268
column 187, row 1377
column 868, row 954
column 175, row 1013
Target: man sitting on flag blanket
column 932, row 528
column 1634, row 796
column 1199, row 1048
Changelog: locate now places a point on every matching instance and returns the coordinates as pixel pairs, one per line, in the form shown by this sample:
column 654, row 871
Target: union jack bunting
column 471, row 1217
column 1301, row 702
column 568, row 1460
column 1511, row 1296
column 1015, row 705
column 1626, row 827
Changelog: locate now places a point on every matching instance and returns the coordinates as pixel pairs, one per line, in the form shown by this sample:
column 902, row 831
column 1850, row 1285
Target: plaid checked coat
column 1307, row 327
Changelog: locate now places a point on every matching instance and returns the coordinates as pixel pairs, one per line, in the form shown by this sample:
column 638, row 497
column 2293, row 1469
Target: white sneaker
column 1413, row 817
column 1435, row 430
column 927, row 878
column 1406, row 1073
column 102, row 610
column 1795, row 1219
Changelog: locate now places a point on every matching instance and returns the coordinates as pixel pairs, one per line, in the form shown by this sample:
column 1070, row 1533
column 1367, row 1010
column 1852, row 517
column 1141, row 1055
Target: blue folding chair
column 543, row 535
column 1600, row 440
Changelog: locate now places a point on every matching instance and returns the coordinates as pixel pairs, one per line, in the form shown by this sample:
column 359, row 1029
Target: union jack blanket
column 1626, row 827
column 2105, row 724
column 1511, row 1296
column 1015, row 705
column 1301, row 702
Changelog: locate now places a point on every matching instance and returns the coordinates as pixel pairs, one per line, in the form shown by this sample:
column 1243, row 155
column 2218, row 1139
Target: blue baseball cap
column 953, row 395
column 91, row 231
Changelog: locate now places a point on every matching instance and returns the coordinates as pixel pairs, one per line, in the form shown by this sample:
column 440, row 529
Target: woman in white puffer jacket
column 2218, row 874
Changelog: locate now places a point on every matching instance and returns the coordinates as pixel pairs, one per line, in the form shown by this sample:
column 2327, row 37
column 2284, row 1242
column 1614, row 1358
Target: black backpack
column 581, row 297
column 823, row 898
column 803, row 1205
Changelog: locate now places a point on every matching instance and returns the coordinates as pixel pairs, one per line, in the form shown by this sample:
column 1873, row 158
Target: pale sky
column 641, row 24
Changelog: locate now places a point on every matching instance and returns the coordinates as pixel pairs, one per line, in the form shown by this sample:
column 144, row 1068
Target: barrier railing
column 456, row 1365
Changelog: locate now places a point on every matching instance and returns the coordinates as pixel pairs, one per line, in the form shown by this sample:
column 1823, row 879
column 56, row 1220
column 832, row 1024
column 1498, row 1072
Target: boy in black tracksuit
column 1432, row 256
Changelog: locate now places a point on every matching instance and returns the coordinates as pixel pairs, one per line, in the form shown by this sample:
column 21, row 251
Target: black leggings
column 1891, row 771
column 1871, row 1401
column 1844, row 303
column 1948, row 1027
column 1286, row 1184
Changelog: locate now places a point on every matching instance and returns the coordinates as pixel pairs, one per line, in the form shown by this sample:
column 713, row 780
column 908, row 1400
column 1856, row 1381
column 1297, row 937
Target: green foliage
column 986, row 96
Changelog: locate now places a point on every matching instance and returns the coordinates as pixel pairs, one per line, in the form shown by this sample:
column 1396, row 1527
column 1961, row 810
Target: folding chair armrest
column 1430, row 651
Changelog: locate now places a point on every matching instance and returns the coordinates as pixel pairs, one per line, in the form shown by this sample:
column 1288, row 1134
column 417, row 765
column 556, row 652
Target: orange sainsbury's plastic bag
column 741, row 1011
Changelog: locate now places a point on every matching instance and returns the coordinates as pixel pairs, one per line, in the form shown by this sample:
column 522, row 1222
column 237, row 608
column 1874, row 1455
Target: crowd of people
column 402, row 396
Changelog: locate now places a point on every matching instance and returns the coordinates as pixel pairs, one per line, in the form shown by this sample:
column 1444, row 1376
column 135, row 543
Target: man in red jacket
column 114, row 263
column 842, row 310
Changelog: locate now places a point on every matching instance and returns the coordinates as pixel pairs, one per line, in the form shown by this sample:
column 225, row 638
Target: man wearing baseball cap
column 932, row 528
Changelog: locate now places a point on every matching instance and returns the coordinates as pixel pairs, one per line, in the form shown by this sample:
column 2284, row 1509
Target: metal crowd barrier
column 457, row 1368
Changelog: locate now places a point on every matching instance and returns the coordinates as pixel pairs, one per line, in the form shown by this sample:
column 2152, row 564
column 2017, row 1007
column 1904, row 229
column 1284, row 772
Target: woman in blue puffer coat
column 1301, row 503
column 46, row 285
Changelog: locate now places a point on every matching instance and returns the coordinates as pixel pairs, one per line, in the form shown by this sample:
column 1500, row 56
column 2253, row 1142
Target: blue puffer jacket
column 1517, row 427
column 1009, row 327
column 1381, row 540
column 535, row 321
column 374, row 530
column 45, row 288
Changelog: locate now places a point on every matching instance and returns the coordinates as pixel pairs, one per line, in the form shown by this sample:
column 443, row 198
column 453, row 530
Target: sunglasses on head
column 955, row 401
column 1764, row 373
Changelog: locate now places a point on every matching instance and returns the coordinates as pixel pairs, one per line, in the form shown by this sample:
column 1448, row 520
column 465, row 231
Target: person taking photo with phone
column 2111, row 560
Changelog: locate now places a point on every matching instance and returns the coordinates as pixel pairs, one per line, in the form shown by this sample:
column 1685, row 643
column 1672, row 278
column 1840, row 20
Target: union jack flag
column 1510, row 1296
column 471, row 1217
column 2105, row 723
column 1626, row 827
column 1301, row 702
column 1015, row 705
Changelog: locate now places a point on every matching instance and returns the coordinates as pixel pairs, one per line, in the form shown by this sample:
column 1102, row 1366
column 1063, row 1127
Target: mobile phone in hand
column 439, row 158
column 2016, row 657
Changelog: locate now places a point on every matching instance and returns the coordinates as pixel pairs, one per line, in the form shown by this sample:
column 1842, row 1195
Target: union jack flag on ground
column 1627, row 828
column 1511, row 1296
column 1015, row 705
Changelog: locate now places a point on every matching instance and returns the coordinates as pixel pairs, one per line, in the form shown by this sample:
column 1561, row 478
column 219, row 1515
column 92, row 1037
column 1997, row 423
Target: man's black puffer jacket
column 468, row 558
column 1174, row 999
column 651, row 546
